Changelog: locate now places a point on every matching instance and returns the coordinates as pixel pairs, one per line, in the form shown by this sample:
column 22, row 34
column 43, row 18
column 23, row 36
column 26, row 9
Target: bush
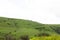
column 25, row 37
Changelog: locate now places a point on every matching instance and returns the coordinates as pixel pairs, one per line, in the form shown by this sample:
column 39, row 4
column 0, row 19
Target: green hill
column 19, row 27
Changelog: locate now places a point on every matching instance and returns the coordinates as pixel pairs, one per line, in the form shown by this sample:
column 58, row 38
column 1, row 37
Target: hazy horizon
column 44, row 11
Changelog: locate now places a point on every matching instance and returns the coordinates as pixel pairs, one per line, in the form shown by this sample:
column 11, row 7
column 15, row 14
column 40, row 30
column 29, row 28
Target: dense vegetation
column 54, row 37
column 16, row 29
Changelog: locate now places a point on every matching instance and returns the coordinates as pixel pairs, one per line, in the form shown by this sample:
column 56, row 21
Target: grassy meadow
column 20, row 29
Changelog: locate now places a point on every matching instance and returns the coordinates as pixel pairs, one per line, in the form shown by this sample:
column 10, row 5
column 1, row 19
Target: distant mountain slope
column 18, row 27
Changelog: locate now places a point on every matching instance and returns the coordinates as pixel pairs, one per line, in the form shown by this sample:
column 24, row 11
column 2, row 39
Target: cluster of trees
column 56, row 29
column 10, row 37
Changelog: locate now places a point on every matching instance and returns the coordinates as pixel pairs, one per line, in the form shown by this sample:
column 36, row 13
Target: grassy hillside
column 16, row 28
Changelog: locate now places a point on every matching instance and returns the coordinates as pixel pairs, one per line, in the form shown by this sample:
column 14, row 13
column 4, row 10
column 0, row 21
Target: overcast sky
column 44, row 11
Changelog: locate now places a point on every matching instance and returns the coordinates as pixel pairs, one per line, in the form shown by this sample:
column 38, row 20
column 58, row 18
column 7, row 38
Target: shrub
column 25, row 37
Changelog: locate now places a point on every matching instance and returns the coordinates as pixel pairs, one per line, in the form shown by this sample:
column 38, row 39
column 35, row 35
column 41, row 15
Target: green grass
column 54, row 37
column 19, row 27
